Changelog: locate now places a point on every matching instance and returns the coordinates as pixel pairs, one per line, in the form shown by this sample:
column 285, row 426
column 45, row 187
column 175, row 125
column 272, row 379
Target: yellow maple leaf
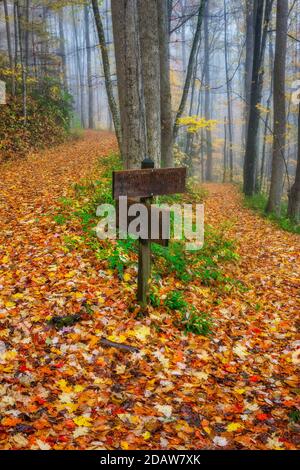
column 146, row 435
column 234, row 427
column 83, row 421
column 18, row 296
column 124, row 445
column 63, row 385
column 240, row 391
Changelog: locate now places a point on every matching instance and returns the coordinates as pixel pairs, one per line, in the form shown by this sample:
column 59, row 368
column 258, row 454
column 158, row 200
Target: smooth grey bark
column 89, row 68
column 267, row 120
column 150, row 58
column 262, row 11
column 26, row 35
column 248, row 61
column 207, row 101
column 294, row 194
column 190, row 67
column 229, row 96
column 279, row 104
column 9, row 46
column 106, row 65
column 130, row 86
column 62, row 48
column 79, row 68
column 22, row 62
column 167, row 159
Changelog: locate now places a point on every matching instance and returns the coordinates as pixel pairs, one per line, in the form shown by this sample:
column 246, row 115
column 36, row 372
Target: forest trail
column 60, row 389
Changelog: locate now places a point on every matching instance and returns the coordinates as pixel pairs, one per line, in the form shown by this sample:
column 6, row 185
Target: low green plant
column 176, row 301
column 294, row 416
column 154, row 299
column 193, row 321
column 60, row 219
column 259, row 201
column 198, row 323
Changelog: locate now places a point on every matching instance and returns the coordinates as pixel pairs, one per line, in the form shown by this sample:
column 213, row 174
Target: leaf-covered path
column 60, row 389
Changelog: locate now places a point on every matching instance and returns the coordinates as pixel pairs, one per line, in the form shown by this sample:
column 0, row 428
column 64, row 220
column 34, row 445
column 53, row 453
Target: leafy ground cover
column 227, row 379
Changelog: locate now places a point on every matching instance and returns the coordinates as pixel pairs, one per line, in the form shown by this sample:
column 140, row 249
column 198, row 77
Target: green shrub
column 175, row 301
column 198, row 323
column 259, row 201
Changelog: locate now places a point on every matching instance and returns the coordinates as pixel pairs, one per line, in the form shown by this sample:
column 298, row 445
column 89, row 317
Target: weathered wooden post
column 144, row 268
column 144, row 184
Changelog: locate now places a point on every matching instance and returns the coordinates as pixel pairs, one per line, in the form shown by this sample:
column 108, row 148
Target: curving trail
column 62, row 390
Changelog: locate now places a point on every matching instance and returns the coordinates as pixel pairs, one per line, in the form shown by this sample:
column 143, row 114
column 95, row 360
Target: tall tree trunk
column 9, row 47
column 225, row 152
column 130, row 86
column 278, row 164
column 294, row 195
column 89, row 68
column 229, row 97
column 262, row 20
column 149, row 43
column 190, row 68
column 79, row 68
column 62, row 48
column 22, row 61
column 267, row 120
column 26, row 35
column 207, row 102
column 165, row 87
column 106, row 66
column 248, row 62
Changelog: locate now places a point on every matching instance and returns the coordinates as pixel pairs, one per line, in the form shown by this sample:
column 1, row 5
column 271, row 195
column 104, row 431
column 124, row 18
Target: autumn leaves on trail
column 60, row 389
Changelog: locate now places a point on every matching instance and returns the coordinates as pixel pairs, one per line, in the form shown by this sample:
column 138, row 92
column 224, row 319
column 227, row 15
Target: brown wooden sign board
column 160, row 213
column 149, row 182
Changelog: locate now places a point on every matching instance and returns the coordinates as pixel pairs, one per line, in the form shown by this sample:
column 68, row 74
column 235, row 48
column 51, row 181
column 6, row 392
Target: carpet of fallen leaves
column 60, row 390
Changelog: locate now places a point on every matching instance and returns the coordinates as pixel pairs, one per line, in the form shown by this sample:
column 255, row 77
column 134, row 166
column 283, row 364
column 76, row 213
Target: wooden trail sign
column 148, row 182
column 145, row 184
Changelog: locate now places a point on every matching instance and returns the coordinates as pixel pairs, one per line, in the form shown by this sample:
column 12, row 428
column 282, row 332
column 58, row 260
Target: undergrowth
column 259, row 201
column 205, row 265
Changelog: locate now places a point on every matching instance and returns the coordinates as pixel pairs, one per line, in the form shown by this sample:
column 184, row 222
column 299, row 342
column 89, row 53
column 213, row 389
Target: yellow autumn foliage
column 195, row 123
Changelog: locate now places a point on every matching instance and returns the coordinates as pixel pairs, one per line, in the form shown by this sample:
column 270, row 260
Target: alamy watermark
column 152, row 222
column 2, row 92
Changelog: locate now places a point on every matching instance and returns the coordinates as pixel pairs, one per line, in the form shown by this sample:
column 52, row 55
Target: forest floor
column 60, row 390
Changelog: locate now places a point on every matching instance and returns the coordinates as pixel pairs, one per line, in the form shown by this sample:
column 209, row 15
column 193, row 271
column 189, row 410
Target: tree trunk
column 190, row 68
column 62, row 48
column 89, row 69
column 79, row 68
column 262, row 20
column 267, row 120
column 9, row 47
column 150, row 56
column 278, row 164
column 130, row 87
column 248, row 61
column 106, row 66
column 294, row 195
column 167, row 159
column 225, row 152
column 229, row 104
column 23, row 66
column 207, row 102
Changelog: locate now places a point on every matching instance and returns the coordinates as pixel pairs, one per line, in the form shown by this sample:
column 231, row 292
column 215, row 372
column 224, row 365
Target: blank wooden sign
column 149, row 182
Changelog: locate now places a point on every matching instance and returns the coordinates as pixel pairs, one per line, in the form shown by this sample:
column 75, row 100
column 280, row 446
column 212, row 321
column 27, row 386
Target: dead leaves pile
column 60, row 389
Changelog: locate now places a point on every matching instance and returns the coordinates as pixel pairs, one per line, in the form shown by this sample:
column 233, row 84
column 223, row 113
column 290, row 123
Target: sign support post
column 144, row 268
column 146, row 183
